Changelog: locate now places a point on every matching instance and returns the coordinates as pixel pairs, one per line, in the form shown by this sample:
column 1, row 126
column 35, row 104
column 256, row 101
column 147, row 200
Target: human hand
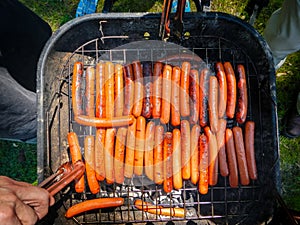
column 22, row 203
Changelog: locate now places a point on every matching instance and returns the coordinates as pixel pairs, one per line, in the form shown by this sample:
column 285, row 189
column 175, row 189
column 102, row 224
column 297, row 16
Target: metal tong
column 64, row 175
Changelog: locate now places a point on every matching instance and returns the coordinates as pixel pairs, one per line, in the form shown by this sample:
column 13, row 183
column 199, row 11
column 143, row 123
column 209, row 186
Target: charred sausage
column 157, row 89
column 242, row 104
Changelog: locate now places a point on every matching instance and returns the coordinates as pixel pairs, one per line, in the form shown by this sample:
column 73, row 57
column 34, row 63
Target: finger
column 25, row 213
column 8, row 214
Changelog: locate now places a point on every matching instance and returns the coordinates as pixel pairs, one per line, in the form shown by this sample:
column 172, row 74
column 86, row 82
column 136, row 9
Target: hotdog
column 166, row 94
column 130, row 145
column 175, row 97
column 157, row 89
column 221, row 148
column 93, row 204
column 149, row 144
column 139, row 145
column 76, row 92
column 158, row 154
column 203, row 97
column 213, row 104
column 109, row 90
column 76, row 156
column 148, row 90
column 185, row 149
column 194, row 96
column 242, row 95
column 89, row 154
column 231, row 157
column 99, row 154
column 105, row 122
column 220, row 73
column 203, row 164
column 90, row 91
column 250, row 149
column 109, row 154
column 241, row 155
column 184, row 94
column 119, row 155
column 159, row 210
column 231, row 90
column 212, row 157
column 128, row 89
column 138, row 89
column 119, row 94
column 177, row 176
column 100, row 90
column 195, row 133
column 168, row 164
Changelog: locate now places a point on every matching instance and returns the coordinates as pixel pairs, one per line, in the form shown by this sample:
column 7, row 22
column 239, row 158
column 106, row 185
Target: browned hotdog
column 109, row 90
column 203, row 165
column 221, row 148
column 241, row 155
column 203, row 97
column 90, row 91
column 148, row 90
column 242, row 104
column 231, row 90
column 128, row 89
column 166, row 94
column 168, row 172
column 158, row 154
column 195, row 133
column 119, row 94
column 149, row 144
column 185, row 149
column 130, row 146
column 194, row 96
column 105, row 122
column 175, row 97
column 119, row 155
column 177, row 177
column 220, row 73
column 250, row 149
column 139, row 145
column 76, row 93
column 100, row 90
column 184, row 94
column 213, row 104
column 99, row 154
column 109, row 154
column 138, row 89
column 157, row 89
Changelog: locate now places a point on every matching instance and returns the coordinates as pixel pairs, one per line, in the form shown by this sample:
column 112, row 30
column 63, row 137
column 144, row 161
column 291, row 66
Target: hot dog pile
column 166, row 122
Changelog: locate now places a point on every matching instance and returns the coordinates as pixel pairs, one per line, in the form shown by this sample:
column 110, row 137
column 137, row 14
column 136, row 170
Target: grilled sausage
column 185, row 149
column 158, row 154
column 213, row 104
column 105, row 122
column 130, row 146
column 194, row 96
column 175, row 97
column 221, row 148
column 139, row 145
column 157, row 89
column 166, row 94
column 220, row 73
column 90, row 91
column 119, row 94
column 149, row 144
column 99, row 154
column 168, row 151
column 241, row 155
column 76, row 156
column 177, row 177
column 128, row 89
column 119, row 155
column 89, row 155
column 148, row 90
column 231, row 90
column 76, row 93
column 184, row 94
column 242, row 104
column 250, row 149
column 203, row 165
column 109, row 90
column 100, row 90
column 138, row 89
column 203, row 97
column 195, row 133
column 109, row 154
column 93, row 204
column 231, row 157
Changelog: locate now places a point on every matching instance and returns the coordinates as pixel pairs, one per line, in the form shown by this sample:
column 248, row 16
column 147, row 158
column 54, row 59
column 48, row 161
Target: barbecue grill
column 211, row 36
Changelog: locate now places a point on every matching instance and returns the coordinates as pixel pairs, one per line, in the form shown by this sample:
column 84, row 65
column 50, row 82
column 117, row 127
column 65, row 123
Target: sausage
column 76, row 156
column 213, row 104
column 138, row 89
column 203, row 164
column 220, row 73
column 175, row 96
column 250, row 149
column 93, row 204
column 185, row 149
column 104, row 122
column 203, row 97
column 99, row 154
column 231, row 90
column 139, row 145
column 89, row 155
column 241, row 155
column 128, row 89
column 149, row 144
column 168, row 164
column 100, row 90
column 195, row 133
column 148, row 90
column 166, row 94
column 177, row 176
column 157, row 89
column 130, row 145
column 212, row 157
column 184, row 94
column 119, row 155
column 231, row 157
column 159, row 210
column 242, row 103
column 119, row 94
column 76, row 92
column 109, row 154
column 109, row 90
column 194, row 96
column 90, row 91
column 221, row 148
column 158, row 154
